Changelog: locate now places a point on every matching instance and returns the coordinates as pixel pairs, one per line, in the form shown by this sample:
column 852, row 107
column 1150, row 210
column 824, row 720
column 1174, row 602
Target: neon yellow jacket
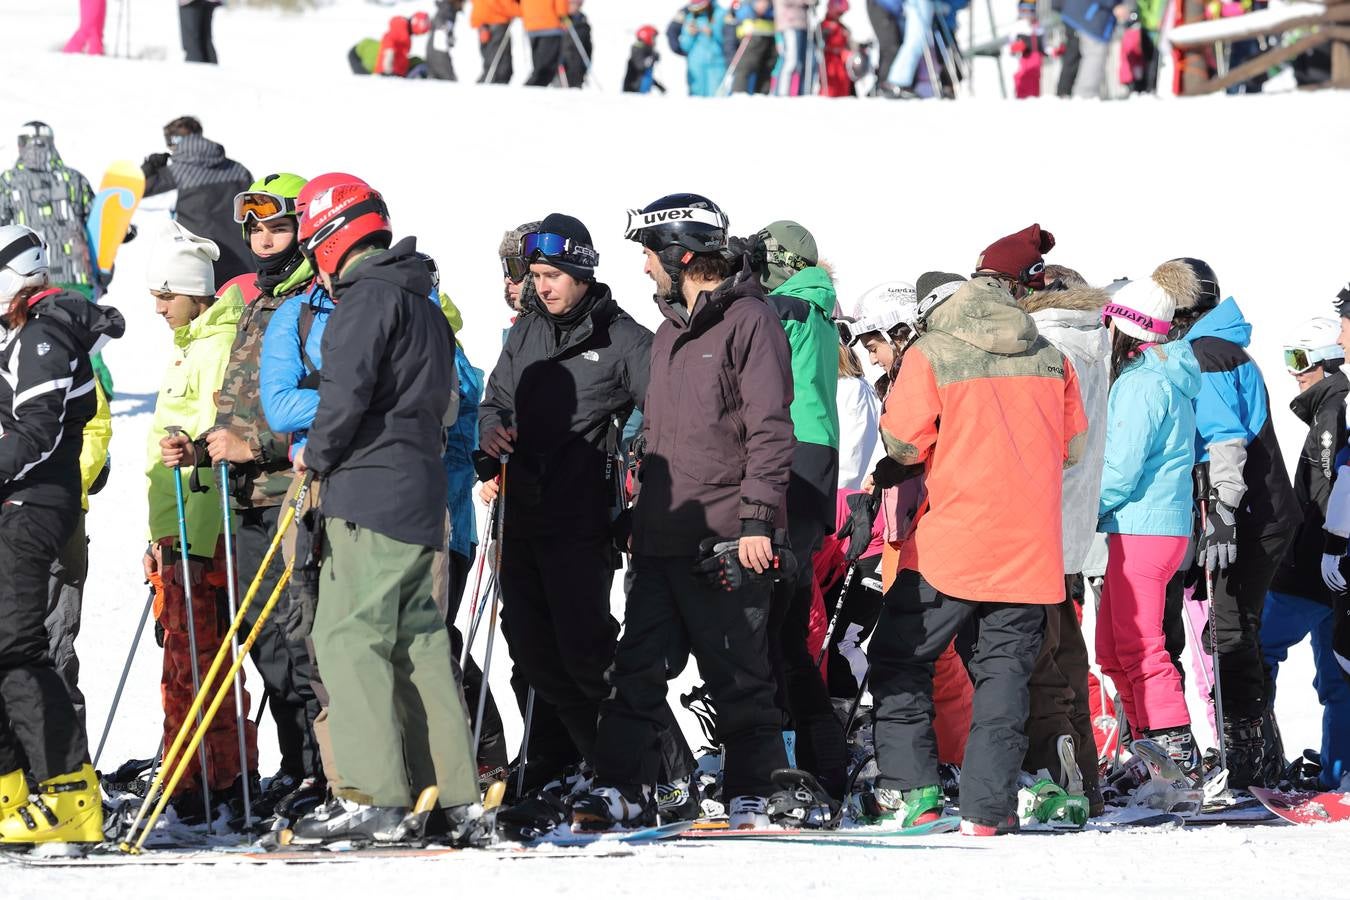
column 187, row 398
column 94, row 450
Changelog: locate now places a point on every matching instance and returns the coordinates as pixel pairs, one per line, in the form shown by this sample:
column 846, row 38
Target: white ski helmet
column 23, row 260
column 883, row 308
column 1311, row 343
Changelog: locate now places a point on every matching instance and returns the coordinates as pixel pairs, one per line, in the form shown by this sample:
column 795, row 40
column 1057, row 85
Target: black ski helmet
column 1208, row 298
column 676, row 228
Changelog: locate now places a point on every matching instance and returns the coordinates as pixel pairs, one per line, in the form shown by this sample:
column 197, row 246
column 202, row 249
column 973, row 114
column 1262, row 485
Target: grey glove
column 1218, row 544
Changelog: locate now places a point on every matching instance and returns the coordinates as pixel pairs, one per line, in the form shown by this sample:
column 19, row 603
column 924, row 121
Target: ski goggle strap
column 1146, row 322
column 639, row 221
column 263, row 206
column 1303, row 359
column 555, row 246
column 17, row 247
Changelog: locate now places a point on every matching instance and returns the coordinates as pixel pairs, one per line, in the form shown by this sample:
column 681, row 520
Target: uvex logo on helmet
column 341, row 219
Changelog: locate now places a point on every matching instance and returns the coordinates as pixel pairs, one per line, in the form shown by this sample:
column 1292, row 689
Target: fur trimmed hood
column 1179, row 281
column 1078, row 298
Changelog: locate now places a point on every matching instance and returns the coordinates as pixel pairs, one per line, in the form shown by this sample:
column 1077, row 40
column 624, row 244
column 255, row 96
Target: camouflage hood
column 983, row 314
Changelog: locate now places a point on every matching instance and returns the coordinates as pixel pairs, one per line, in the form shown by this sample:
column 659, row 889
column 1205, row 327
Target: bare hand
column 497, row 440
column 150, row 562
column 868, row 484
column 299, row 462
column 756, row 553
column 176, row 450
column 224, row 444
column 487, row 491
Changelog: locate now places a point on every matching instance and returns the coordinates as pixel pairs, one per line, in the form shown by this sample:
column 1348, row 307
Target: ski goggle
column 555, row 246
column 515, row 268
column 262, row 206
column 1303, row 359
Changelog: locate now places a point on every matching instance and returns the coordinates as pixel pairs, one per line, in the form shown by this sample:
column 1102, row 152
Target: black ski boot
column 1246, row 752
column 800, row 802
column 677, row 801
column 533, row 817
column 308, row 793
column 347, row 820
column 609, row 808
column 463, row 826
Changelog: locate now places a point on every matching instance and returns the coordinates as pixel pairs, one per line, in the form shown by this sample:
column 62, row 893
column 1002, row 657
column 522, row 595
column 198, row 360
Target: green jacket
column 187, row 399
column 814, row 342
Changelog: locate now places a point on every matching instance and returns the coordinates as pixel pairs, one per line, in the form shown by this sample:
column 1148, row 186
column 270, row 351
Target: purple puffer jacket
column 790, row 15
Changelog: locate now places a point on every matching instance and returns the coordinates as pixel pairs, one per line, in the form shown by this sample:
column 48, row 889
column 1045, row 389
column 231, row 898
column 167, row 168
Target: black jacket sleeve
column 43, row 366
column 1329, row 435
column 354, row 343
column 638, row 365
column 499, row 397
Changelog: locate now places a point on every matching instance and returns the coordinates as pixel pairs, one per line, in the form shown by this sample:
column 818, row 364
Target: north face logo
column 43, row 349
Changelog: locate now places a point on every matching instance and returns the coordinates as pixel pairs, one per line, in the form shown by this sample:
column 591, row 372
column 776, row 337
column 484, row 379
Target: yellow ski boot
column 66, row 809
column 13, row 792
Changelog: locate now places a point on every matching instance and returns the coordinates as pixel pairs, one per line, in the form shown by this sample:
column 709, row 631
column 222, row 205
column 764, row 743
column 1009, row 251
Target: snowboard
column 720, row 830
column 564, row 836
column 118, row 196
column 299, row 855
column 1305, row 807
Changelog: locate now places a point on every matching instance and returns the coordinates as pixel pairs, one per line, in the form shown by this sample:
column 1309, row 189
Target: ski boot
column 950, row 774
column 677, row 801
column 917, row 807
column 800, row 802
column 308, row 793
column 533, row 817
column 65, row 809
column 610, row 808
column 749, row 813
column 341, row 819
column 464, row 826
column 1179, row 742
column 279, row 786
column 13, row 791
column 1169, row 789
column 1245, row 748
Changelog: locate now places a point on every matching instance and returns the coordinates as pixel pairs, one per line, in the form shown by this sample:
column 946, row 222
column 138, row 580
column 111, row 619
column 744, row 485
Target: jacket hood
column 1224, row 321
column 1077, row 333
column 92, row 325
column 1331, row 389
column 222, row 317
column 198, row 151
column 1074, row 298
column 1176, row 361
column 711, row 304
column 813, row 285
column 400, row 265
column 39, row 155
column 982, row 313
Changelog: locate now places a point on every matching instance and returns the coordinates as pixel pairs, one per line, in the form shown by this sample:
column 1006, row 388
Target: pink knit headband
column 1148, row 323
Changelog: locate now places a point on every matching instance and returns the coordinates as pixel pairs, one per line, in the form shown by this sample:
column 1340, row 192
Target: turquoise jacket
column 814, row 343
column 1150, row 445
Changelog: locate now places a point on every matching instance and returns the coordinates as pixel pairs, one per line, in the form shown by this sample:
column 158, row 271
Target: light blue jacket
column 461, row 439
column 706, row 58
column 289, row 407
column 1150, row 445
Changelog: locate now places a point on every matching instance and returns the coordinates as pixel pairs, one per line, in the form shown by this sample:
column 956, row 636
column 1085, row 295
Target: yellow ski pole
column 171, row 754
column 226, row 686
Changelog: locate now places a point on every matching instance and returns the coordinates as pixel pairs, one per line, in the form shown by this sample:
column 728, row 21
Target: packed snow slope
column 890, row 190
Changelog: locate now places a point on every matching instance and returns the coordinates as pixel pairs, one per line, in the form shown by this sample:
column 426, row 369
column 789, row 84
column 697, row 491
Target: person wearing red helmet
column 395, row 717
column 641, row 75
column 392, row 54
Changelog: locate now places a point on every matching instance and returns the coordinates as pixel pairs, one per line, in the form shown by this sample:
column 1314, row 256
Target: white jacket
column 1071, row 320
column 859, row 431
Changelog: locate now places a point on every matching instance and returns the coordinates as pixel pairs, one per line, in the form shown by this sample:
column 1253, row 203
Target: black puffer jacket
column 47, row 396
column 1322, row 408
column 562, row 389
column 387, row 385
column 207, row 181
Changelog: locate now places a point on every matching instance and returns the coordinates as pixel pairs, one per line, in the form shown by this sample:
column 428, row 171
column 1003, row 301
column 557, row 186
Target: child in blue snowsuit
column 701, row 41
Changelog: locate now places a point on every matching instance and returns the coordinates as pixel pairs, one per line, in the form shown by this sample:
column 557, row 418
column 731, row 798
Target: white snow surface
column 890, row 190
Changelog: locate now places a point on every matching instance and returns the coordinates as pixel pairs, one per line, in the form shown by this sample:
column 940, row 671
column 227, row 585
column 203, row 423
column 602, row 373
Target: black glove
column 1218, row 544
column 154, row 162
column 486, row 467
column 857, row 528
column 621, row 530
column 132, row 231
column 159, row 634
column 719, row 563
column 890, row 473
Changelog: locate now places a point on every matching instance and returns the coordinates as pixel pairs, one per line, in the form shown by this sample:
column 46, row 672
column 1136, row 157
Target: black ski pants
column 495, row 43
column 890, row 32
column 285, row 666
column 65, row 603
column 546, row 50
column 194, row 23
column 1059, row 695
column 754, row 73
column 38, row 724
column 917, row 622
column 857, row 620
column 1068, row 64
column 727, row 633
column 1239, row 599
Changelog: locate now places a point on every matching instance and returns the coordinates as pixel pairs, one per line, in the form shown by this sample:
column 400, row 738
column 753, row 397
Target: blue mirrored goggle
column 555, row 246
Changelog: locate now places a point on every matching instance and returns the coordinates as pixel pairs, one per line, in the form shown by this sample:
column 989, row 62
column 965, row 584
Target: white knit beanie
column 1143, row 310
column 180, row 263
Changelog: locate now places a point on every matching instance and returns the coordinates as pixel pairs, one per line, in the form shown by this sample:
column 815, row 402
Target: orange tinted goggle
column 262, row 206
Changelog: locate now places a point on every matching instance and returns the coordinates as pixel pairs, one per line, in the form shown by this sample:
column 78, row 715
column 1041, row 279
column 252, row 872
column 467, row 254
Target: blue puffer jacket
column 461, row 439
column 1150, row 448
column 701, row 40
column 289, row 407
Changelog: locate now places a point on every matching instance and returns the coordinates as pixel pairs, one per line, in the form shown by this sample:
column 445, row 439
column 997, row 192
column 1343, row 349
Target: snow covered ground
column 890, row 191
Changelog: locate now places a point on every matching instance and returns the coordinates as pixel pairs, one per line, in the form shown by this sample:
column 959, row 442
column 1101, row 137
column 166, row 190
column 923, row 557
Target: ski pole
column 524, row 745
column 175, row 431
column 172, row 754
column 588, row 75
column 839, row 608
column 1214, row 649
column 210, row 715
column 497, row 57
column 496, row 606
column 232, row 592
column 122, row 682
column 857, row 701
column 475, row 602
column 724, row 88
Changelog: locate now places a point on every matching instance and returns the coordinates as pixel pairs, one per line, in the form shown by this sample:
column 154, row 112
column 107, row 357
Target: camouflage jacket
column 42, row 193
column 264, row 481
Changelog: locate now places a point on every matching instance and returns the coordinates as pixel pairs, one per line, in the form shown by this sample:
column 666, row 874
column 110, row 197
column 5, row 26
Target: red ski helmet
column 838, row 7
column 338, row 220
column 317, row 186
column 419, row 22
column 647, row 35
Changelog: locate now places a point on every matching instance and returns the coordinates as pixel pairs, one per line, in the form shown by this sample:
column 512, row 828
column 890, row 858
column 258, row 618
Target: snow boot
column 979, row 829
column 347, row 820
column 533, row 817
column 749, row 812
column 279, row 787
column 801, row 802
column 677, row 801
column 13, row 791
column 609, row 808
column 1245, row 749
column 65, row 809
column 917, row 807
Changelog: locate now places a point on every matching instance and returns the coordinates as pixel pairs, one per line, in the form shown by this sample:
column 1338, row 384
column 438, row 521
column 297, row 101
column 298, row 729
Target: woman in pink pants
column 1145, row 510
column 89, row 37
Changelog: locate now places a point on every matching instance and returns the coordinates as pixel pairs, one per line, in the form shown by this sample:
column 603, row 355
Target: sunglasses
column 262, row 206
